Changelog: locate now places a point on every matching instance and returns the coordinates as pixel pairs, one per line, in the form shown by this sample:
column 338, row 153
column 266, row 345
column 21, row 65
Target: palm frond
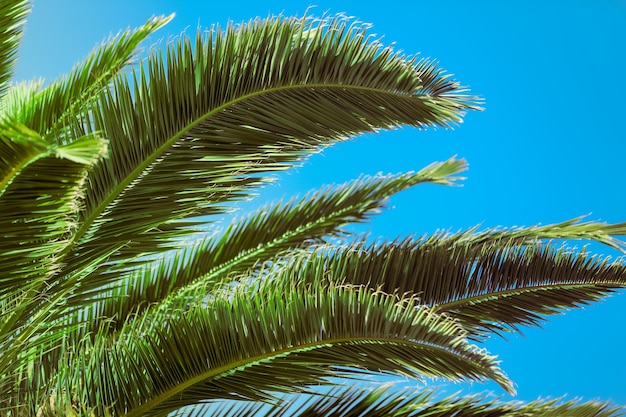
column 56, row 106
column 573, row 229
column 389, row 401
column 218, row 113
column 12, row 18
column 489, row 285
column 512, row 287
column 261, row 236
column 26, row 365
column 39, row 211
column 19, row 146
column 38, row 214
column 18, row 96
column 272, row 337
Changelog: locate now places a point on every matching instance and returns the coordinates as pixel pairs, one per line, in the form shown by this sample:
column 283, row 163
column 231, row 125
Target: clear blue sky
column 550, row 145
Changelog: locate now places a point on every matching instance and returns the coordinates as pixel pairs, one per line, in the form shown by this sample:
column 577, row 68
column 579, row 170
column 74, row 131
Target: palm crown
column 113, row 304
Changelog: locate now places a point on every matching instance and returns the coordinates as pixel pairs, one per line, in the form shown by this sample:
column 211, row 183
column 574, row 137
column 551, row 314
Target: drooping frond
column 12, row 18
column 259, row 237
column 306, row 221
column 41, row 176
column 388, row 401
column 275, row 336
column 42, row 190
column 197, row 129
column 512, row 287
column 489, row 285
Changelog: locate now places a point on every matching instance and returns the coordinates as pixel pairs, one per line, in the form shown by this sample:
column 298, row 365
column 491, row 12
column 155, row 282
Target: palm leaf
column 37, row 216
column 18, row 96
column 513, row 287
column 386, row 401
column 573, row 229
column 262, row 235
column 40, row 198
column 19, row 146
column 55, row 107
column 215, row 115
column 487, row 281
column 253, row 341
column 12, row 18
column 39, row 212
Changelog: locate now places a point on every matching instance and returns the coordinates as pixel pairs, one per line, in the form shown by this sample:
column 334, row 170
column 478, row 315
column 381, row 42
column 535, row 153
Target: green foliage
column 114, row 305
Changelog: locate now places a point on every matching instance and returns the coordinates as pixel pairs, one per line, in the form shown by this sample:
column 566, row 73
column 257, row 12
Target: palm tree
column 122, row 296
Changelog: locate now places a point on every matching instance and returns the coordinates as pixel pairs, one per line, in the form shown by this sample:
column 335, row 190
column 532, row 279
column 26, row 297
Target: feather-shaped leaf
column 253, row 341
column 488, row 282
column 57, row 105
column 388, row 401
column 38, row 213
column 19, row 147
column 12, row 17
column 40, row 200
column 260, row 236
column 218, row 113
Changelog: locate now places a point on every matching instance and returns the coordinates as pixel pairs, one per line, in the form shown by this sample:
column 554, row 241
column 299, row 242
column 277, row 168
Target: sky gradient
column 550, row 145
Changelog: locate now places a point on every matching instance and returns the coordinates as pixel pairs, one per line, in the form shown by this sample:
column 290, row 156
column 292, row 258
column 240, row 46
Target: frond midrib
column 82, row 230
column 482, row 298
column 252, row 360
column 251, row 253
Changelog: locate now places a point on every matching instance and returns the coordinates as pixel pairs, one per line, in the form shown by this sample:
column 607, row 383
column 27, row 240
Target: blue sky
column 549, row 146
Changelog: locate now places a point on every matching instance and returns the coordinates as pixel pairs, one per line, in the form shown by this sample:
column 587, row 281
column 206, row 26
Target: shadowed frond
column 261, row 236
column 275, row 336
column 489, row 285
column 388, row 401
column 12, row 18
column 199, row 128
column 37, row 217
column 39, row 212
column 19, row 147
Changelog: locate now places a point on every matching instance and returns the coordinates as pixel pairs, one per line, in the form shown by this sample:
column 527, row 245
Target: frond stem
column 477, row 299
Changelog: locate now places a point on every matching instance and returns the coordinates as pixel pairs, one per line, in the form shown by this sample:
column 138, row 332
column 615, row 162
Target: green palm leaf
column 216, row 114
column 40, row 196
column 43, row 172
column 261, row 236
column 56, row 106
column 19, row 146
column 388, row 401
column 37, row 217
column 39, row 213
column 491, row 281
column 273, row 337
column 12, row 18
